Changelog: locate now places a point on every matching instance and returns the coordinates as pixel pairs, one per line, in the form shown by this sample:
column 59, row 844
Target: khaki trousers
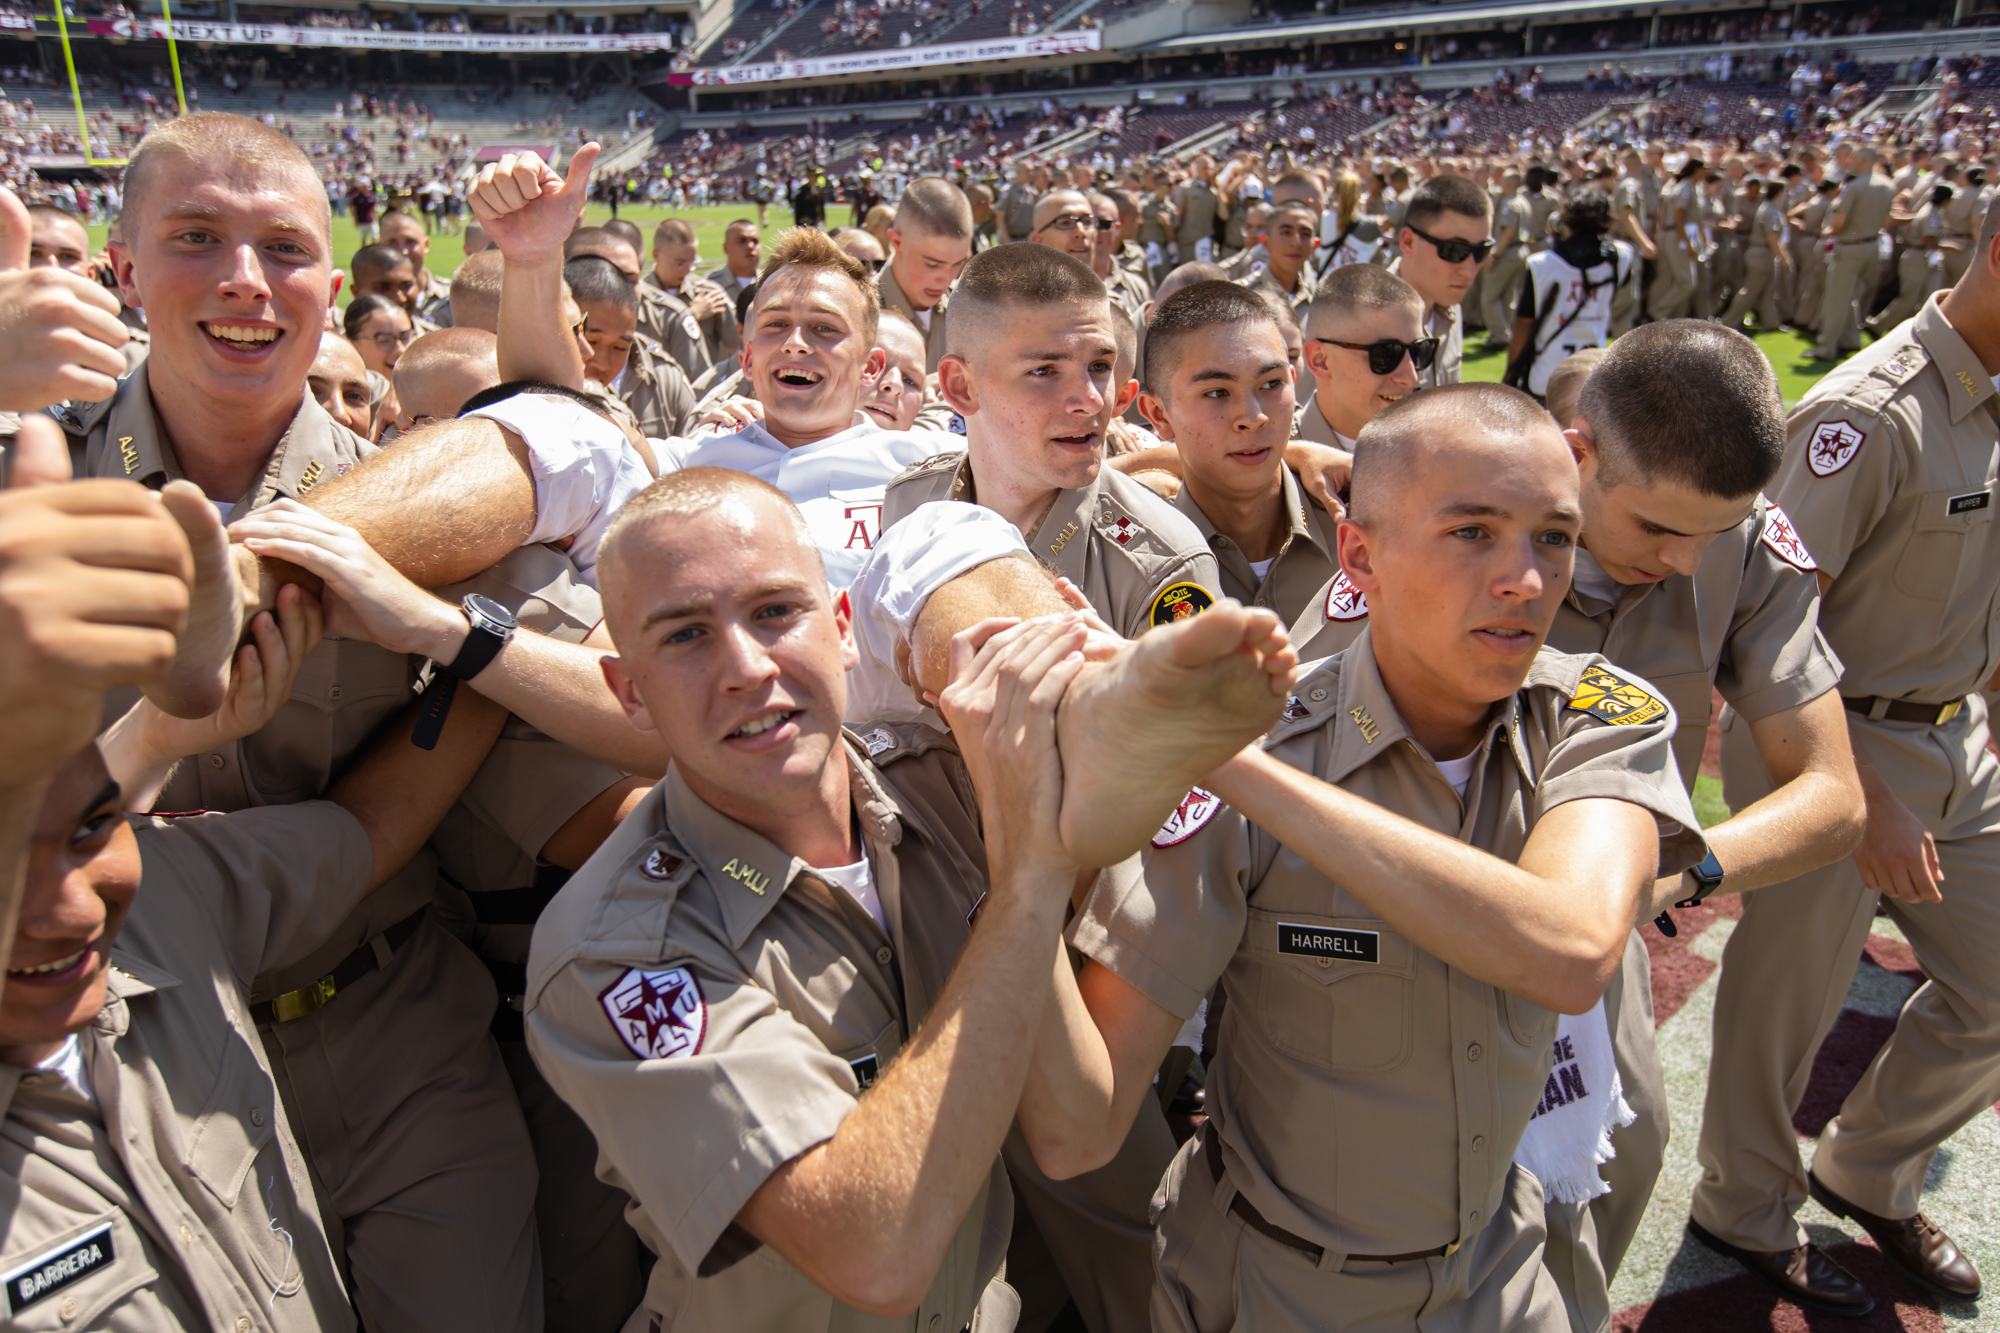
column 1759, row 290
column 416, row 1144
column 1587, row 1242
column 1809, row 287
column 1786, row 973
column 1215, row 1274
column 1674, row 288
column 1915, row 281
column 1501, row 291
column 1846, row 287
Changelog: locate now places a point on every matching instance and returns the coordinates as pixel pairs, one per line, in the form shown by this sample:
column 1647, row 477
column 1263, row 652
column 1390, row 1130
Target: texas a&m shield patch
column 659, row 1013
column 1195, row 809
column 1833, row 446
column 1784, row 539
column 1344, row 601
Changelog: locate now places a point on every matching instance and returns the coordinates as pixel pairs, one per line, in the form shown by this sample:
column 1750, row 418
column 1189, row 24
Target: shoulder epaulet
column 78, row 417
column 1309, row 703
column 886, row 742
column 935, row 463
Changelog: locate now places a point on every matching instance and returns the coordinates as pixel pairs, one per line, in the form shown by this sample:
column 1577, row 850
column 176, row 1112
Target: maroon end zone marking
column 1742, row 1304
column 1843, row 1058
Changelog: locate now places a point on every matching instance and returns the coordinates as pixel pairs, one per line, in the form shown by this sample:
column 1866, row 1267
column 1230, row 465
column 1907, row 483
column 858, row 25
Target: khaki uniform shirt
column 1535, row 229
column 893, row 299
column 1449, row 329
column 1511, row 212
column 732, row 286
column 668, row 319
column 1889, row 478
column 1304, row 562
column 1370, row 1097
column 1310, row 423
column 657, row 391
column 723, row 380
column 1865, row 201
column 179, row 1199
column 713, row 1009
column 1128, row 291
column 1132, row 259
column 434, row 301
column 1196, row 204
column 1134, row 556
column 1300, row 299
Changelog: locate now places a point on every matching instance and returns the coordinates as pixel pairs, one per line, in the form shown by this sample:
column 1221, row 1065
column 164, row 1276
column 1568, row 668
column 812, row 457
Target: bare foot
column 1138, row 731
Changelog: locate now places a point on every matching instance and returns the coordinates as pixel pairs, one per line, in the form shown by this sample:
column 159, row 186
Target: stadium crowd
column 1033, row 756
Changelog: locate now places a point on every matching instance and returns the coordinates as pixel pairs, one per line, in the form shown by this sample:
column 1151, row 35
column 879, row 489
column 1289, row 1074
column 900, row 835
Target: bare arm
column 867, row 1214
column 529, row 211
column 1549, row 928
column 398, row 793
column 1524, row 329
column 1814, row 818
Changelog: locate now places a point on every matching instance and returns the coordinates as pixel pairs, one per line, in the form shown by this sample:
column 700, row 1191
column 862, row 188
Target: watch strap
column 433, row 708
column 482, row 644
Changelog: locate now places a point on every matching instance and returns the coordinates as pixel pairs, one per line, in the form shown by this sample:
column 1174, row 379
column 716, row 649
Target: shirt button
column 216, row 761
column 1317, row 695
column 243, row 1325
column 333, row 695
column 257, row 1116
column 1478, row 1143
column 1472, row 1216
column 1323, row 962
column 68, row 1309
column 884, row 954
column 1474, row 1051
column 187, row 1237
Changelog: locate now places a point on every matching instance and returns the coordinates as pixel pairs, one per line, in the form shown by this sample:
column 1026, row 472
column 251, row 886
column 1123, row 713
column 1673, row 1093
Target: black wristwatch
column 492, row 625
column 1707, row 879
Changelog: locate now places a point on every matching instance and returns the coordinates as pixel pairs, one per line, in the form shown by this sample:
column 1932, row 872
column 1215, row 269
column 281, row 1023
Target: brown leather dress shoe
column 1804, row 1276
column 1916, row 1245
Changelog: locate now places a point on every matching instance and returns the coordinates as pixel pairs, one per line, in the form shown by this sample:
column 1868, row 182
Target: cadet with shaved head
column 679, row 309
column 1440, row 847
column 929, row 242
column 406, row 232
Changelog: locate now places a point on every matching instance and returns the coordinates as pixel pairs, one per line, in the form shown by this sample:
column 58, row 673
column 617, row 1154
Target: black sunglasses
column 1454, row 251
column 1386, row 355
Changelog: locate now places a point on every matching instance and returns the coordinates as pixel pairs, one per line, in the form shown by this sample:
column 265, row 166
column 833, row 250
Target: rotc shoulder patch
column 1195, row 810
column 659, row 1013
column 1179, row 601
column 1784, row 539
column 1613, row 698
column 1833, row 446
column 1344, row 601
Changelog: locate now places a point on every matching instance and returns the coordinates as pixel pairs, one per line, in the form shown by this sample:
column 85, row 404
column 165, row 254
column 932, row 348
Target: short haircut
column 1303, row 209
column 446, row 351
column 1688, row 401
column 893, row 318
column 933, row 206
column 1190, row 310
column 1011, row 276
column 595, row 241
column 475, row 291
column 735, row 225
column 1126, row 334
column 48, row 210
column 377, row 258
column 1566, row 383
column 1382, row 453
column 592, row 278
column 1291, row 183
column 1061, row 192
column 405, row 214
column 811, row 248
column 628, row 233
column 685, row 495
column 207, row 138
column 365, row 307
column 1281, row 309
column 672, row 231
column 1187, row 275
column 1447, row 194
column 1353, row 288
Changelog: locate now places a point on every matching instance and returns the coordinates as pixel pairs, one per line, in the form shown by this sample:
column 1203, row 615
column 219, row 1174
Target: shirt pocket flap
column 68, row 1281
column 233, row 1127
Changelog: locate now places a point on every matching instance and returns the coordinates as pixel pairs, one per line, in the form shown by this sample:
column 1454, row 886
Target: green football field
column 1785, row 347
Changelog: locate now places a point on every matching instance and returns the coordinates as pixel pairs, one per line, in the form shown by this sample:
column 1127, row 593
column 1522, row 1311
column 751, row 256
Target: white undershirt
column 1458, row 772
column 1591, row 580
column 67, row 1064
column 857, row 882
column 1262, row 568
column 924, row 318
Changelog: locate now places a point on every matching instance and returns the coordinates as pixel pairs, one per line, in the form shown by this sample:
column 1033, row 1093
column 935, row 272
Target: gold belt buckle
column 1453, row 1248
column 1948, row 712
column 297, row 1004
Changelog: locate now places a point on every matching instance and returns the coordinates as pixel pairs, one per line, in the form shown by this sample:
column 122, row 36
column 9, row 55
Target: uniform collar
column 1292, row 497
column 129, row 978
column 1368, row 725
column 748, row 872
column 1310, row 423
column 651, row 286
column 1964, row 376
column 307, row 454
column 892, row 293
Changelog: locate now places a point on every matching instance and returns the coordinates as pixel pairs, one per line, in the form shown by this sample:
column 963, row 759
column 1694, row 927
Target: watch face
column 489, row 611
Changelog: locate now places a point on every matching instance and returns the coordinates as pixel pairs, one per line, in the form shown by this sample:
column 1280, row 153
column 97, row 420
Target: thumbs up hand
column 59, row 333
column 525, row 207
